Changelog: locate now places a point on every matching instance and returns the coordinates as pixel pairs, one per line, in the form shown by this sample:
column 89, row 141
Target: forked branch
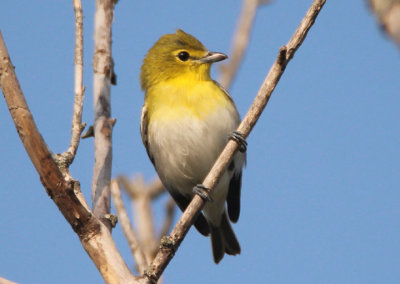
column 94, row 236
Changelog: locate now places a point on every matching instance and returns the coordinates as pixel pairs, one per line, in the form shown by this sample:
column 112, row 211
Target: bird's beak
column 212, row 57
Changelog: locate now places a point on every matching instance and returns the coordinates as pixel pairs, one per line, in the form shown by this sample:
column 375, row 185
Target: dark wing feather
column 233, row 198
column 201, row 223
column 144, row 122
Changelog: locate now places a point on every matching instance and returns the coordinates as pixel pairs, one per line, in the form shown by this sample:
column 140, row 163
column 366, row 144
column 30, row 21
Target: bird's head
column 174, row 55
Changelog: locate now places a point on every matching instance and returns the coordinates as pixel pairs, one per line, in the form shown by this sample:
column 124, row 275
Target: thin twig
column 130, row 235
column 155, row 188
column 129, row 186
column 77, row 126
column 240, row 42
column 167, row 251
column 144, row 217
column 103, row 124
column 94, row 236
column 142, row 195
column 65, row 159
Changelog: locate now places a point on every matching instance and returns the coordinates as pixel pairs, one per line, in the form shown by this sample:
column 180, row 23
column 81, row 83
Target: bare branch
column 130, row 187
column 94, row 236
column 103, row 124
column 142, row 195
column 169, row 247
column 77, row 126
column 65, row 159
column 144, row 218
column 240, row 42
column 155, row 188
column 130, row 235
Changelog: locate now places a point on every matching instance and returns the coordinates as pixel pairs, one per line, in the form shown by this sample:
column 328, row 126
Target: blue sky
column 320, row 197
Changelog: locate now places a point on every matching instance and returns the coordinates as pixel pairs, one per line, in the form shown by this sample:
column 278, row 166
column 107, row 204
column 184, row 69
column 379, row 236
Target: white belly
column 185, row 151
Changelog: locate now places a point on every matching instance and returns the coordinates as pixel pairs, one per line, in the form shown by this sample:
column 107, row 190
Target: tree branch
column 130, row 235
column 155, row 188
column 103, row 124
column 168, row 249
column 144, row 219
column 94, row 236
column 77, row 126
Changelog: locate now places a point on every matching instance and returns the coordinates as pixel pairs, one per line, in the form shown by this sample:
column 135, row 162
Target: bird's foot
column 239, row 138
column 202, row 191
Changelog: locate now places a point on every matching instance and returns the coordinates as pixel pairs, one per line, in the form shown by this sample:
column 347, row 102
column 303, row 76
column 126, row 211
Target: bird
column 186, row 121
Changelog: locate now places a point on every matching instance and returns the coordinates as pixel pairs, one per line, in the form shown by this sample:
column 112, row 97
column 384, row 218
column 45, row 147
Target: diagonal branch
column 169, row 247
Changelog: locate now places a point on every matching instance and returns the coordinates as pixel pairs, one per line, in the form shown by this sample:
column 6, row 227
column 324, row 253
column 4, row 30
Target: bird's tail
column 223, row 239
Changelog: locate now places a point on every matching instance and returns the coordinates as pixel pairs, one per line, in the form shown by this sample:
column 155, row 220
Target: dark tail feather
column 202, row 225
column 231, row 243
column 223, row 240
column 217, row 243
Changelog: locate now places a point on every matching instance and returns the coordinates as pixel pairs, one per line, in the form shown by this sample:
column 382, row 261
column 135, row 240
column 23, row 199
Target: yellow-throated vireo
column 187, row 119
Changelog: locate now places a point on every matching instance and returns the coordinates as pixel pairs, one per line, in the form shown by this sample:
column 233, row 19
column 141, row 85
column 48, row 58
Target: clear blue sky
column 321, row 191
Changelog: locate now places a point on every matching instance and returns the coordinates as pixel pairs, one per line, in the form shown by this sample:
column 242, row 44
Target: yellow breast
column 185, row 96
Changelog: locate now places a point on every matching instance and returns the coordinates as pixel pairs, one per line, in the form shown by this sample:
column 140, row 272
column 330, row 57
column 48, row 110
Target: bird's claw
column 239, row 138
column 202, row 191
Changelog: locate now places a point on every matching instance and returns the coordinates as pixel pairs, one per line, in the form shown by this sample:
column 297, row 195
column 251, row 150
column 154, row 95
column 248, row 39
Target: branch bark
column 77, row 126
column 103, row 124
column 169, row 246
column 94, row 236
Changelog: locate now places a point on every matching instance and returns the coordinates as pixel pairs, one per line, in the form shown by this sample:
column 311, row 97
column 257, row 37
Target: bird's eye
column 183, row 55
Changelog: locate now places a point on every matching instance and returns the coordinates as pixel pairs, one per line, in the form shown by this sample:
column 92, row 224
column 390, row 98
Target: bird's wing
column 233, row 198
column 144, row 123
column 182, row 201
